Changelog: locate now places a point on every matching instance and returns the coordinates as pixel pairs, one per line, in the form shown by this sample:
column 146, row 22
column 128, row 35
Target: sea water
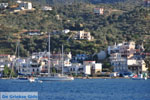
column 83, row 89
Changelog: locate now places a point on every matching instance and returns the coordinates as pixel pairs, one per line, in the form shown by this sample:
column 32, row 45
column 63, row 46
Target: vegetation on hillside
column 122, row 25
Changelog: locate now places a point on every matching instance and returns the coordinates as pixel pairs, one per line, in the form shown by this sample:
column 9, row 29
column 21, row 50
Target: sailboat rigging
column 55, row 77
column 13, row 62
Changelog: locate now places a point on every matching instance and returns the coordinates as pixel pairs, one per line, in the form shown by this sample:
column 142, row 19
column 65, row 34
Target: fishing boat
column 139, row 77
column 55, row 77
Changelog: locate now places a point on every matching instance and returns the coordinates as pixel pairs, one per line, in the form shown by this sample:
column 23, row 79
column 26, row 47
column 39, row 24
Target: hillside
column 85, row 1
column 124, row 25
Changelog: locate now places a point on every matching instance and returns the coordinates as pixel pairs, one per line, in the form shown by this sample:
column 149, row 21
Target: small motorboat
column 31, row 79
column 20, row 79
column 139, row 77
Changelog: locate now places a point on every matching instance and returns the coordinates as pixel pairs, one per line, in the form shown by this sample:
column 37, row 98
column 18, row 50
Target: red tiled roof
column 3, row 54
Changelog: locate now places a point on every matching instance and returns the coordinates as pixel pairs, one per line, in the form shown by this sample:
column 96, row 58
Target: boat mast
column 13, row 62
column 18, row 43
column 62, row 60
column 49, row 56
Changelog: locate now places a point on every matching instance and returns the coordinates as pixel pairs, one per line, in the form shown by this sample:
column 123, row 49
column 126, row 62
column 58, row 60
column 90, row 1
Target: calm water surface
column 79, row 89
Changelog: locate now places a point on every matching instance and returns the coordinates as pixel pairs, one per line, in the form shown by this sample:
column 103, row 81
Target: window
column 73, row 69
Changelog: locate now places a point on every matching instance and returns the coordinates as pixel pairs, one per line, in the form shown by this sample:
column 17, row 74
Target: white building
column 83, row 35
column 120, row 65
column 34, row 32
column 93, row 66
column 99, row 11
column 56, row 60
column 74, row 69
column 1, row 67
column 6, row 60
column 126, row 49
column 28, row 66
column 87, row 69
column 79, row 69
column 3, row 5
column 47, row 8
column 97, row 68
column 136, row 66
column 25, row 5
column 114, row 49
column 123, row 59
column 66, row 31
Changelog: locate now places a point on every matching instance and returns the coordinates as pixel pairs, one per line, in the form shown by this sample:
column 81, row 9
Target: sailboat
column 55, row 77
column 22, row 78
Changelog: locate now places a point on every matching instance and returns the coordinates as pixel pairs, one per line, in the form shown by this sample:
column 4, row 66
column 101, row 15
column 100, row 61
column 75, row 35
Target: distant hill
column 73, row 1
column 90, row 1
column 76, row 1
column 125, row 21
column 60, row 2
column 105, row 1
column 55, row 2
column 124, row 3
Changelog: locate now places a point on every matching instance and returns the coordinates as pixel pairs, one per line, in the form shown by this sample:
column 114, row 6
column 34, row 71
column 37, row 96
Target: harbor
column 74, row 50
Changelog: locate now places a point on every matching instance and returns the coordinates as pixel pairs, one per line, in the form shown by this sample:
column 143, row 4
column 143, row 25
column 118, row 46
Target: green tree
column 147, row 61
column 54, row 70
column 6, row 71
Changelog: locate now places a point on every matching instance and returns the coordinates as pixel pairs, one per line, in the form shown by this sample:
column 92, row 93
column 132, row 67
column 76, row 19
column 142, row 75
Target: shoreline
column 84, row 78
column 101, row 78
column 4, row 78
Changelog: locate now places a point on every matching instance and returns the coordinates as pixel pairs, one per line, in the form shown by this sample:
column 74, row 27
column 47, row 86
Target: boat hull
column 24, row 80
column 51, row 78
column 19, row 80
column 139, row 78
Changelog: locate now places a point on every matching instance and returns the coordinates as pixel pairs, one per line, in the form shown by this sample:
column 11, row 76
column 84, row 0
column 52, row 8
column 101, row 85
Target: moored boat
column 56, row 77
column 139, row 77
column 24, row 79
column 32, row 79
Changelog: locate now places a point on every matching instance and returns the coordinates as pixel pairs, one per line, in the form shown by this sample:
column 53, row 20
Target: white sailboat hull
column 56, row 78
